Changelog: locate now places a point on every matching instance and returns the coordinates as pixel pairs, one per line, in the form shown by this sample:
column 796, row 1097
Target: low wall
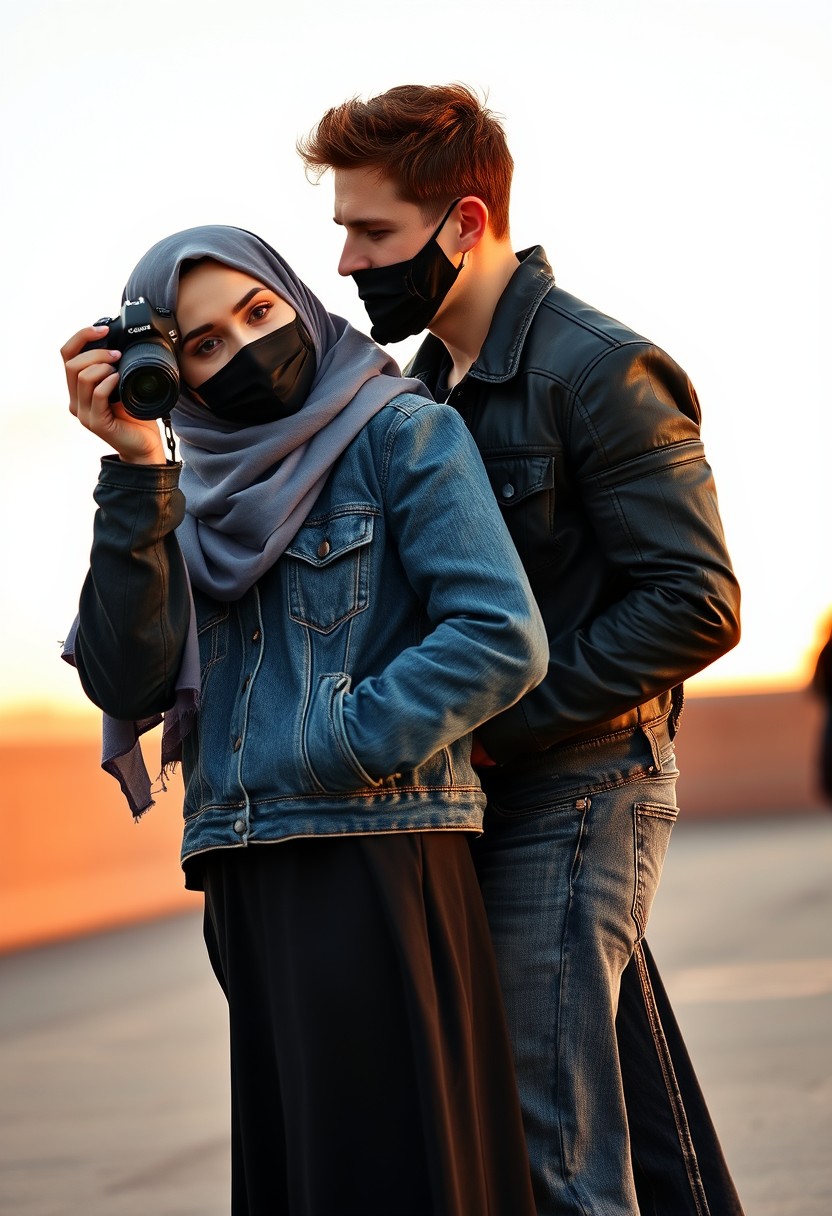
column 750, row 754
column 72, row 860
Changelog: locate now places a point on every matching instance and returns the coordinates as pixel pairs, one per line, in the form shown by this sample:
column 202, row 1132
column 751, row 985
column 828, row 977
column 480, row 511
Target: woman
column 360, row 609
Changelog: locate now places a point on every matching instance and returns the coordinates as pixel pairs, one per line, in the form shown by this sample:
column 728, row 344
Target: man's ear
column 473, row 222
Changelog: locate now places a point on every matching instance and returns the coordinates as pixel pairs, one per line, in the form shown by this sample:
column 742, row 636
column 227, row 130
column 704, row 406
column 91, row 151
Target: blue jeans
column 569, row 864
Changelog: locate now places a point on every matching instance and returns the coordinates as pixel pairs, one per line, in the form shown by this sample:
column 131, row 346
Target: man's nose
column 352, row 259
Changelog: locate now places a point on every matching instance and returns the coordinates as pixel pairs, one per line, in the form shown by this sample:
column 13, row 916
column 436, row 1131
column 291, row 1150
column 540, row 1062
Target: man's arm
column 649, row 496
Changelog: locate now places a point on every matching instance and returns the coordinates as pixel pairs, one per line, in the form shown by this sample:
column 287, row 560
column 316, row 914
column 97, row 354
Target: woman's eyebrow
column 248, row 296
column 238, row 307
column 196, row 333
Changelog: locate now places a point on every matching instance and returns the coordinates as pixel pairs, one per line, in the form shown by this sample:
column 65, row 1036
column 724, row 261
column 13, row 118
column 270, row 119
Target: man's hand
column 91, row 377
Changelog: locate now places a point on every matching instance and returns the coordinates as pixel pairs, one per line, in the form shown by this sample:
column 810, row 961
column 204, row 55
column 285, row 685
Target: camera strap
column 169, row 437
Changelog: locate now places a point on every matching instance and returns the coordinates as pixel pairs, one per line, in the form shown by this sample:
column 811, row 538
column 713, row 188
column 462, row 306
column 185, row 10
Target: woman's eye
column 260, row 312
column 206, row 347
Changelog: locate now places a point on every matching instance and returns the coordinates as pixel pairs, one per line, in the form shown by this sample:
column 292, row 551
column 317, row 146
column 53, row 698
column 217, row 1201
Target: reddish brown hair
column 436, row 142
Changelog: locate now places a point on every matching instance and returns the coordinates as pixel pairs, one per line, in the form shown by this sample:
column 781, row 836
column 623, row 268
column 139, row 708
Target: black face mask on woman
column 403, row 299
column 267, row 380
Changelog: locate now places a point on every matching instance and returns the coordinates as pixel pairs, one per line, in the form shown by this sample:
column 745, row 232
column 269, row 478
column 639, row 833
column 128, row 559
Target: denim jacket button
column 508, row 490
column 239, row 826
column 323, row 548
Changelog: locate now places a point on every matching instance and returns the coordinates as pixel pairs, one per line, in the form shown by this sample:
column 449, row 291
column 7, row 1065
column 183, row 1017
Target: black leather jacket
column 590, row 435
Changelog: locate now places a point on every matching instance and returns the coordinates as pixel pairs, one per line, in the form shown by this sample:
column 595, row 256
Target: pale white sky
column 673, row 157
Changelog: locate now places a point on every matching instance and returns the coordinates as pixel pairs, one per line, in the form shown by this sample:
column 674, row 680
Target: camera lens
column 148, row 387
column 148, row 380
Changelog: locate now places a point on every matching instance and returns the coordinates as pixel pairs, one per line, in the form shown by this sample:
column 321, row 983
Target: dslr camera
column 148, row 376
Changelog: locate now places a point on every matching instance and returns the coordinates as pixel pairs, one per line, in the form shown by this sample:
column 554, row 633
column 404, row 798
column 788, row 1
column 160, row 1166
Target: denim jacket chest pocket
column 329, row 568
column 524, row 486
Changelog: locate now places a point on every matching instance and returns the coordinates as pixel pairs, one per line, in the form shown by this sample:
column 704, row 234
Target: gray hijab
column 248, row 489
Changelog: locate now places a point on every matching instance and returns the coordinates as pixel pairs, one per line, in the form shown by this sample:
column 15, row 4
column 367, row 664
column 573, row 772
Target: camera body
column 148, row 375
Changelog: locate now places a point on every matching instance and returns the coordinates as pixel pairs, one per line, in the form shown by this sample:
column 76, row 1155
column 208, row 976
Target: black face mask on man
column 267, row 380
column 403, row 299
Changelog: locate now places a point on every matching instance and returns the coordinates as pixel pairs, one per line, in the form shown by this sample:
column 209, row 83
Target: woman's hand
column 91, row 377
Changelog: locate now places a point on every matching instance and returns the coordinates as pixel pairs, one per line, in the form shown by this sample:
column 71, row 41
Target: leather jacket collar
column 499, row 358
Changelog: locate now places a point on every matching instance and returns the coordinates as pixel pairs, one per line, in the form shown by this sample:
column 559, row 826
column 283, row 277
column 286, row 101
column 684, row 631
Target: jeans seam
column 680, row 1118
column 577, row 867
column 642, row 811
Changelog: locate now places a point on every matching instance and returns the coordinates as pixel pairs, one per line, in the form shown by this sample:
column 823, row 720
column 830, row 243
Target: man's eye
column 375, row 234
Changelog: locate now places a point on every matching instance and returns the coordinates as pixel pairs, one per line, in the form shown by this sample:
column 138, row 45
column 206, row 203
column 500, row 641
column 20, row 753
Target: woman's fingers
column 74, row 345
column 92, row 380
column 80, row 362
column 88, row 382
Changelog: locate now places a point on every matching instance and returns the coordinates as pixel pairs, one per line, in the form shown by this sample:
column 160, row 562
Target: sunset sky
column 673, row 157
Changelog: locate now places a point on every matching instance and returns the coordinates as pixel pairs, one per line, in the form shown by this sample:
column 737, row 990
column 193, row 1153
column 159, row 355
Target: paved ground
column 113, row 1093
column 742, row 928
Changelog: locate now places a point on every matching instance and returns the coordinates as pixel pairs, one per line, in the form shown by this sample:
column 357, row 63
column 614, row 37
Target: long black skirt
column 371, row 1068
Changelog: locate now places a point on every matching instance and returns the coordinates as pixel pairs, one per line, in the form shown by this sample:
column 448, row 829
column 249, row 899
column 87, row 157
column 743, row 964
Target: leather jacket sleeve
column 648, row 497
column 134, row 607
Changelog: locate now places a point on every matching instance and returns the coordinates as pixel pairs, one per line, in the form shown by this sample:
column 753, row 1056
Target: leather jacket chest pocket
column 329, row 569
column 524, row 486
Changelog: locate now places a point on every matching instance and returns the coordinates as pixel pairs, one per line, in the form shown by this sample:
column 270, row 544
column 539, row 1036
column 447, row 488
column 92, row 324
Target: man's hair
column 435, row 142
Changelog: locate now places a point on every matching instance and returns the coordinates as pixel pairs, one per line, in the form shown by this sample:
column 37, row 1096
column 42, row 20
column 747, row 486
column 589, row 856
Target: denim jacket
column 338, row 694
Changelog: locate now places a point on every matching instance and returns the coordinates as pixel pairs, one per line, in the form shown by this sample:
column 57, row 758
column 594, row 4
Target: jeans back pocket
column 652, row 825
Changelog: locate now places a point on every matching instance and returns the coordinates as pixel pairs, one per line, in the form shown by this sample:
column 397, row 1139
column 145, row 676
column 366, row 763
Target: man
column 822, row 685
column 590, row 435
